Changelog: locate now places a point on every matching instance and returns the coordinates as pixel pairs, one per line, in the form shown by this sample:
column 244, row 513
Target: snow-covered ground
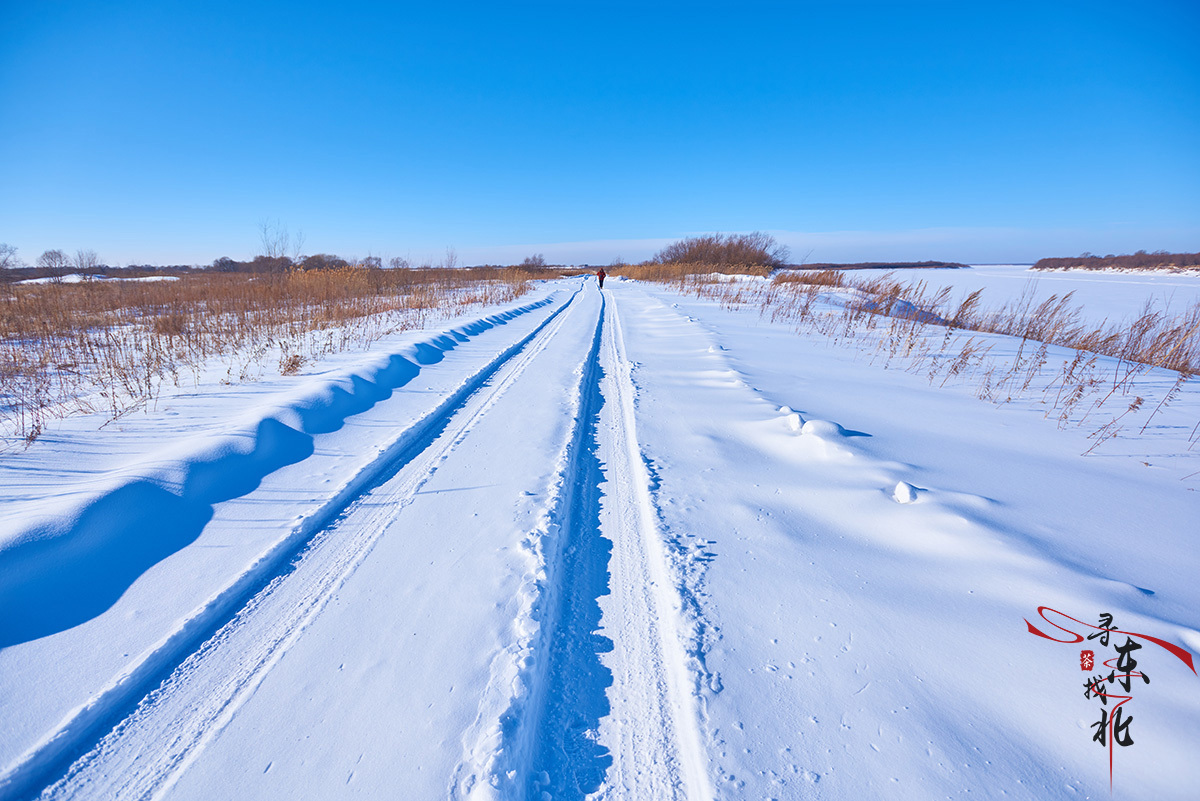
column 80, row 278
column 623, row 544
column 1114, row 296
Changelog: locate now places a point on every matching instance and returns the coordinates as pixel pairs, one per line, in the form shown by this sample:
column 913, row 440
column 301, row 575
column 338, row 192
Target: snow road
column 581, row 549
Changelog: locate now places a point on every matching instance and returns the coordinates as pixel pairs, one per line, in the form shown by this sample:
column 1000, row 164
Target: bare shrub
column 754, row 249
column 290, row 363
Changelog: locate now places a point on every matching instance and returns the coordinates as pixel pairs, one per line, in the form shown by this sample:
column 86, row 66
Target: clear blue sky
column 167, row 131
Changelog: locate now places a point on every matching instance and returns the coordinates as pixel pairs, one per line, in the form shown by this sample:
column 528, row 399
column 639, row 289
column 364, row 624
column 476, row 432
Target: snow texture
column 624, row 545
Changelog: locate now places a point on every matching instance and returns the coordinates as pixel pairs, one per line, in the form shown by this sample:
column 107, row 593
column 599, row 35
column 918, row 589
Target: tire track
column 604, row 707
column 167, row 729
column 654, row 728
column 543, row 739
column 566, row 761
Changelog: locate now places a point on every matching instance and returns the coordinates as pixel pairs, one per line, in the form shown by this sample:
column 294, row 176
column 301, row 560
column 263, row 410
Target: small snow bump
column 822, row 428
column 904, row 492
column 794, row 422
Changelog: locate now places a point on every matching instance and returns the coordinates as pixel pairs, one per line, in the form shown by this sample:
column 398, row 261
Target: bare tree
column 451, row 258
column 8, row 256
column 398, row 263
column 536, row 260
column 86, row 260
column 297, row 246
column 276, row 242
column 53, row 260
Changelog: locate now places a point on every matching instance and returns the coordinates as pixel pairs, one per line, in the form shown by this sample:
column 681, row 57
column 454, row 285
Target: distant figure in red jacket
column 600, row 276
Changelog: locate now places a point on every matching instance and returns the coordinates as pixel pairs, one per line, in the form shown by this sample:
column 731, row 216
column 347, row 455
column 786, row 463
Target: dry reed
column 112, row 346
column 925, row 332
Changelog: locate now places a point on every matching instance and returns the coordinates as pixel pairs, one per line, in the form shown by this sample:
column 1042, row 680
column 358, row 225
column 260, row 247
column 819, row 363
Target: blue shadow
column 577, row 688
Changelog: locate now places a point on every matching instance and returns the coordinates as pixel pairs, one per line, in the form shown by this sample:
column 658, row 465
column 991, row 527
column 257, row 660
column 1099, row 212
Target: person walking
column 600, row 276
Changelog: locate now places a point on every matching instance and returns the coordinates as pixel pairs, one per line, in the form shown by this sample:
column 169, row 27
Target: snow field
column 1105, row 295
column 73, row 682
column 870, row 647
column 148, row 753
column 614, row 545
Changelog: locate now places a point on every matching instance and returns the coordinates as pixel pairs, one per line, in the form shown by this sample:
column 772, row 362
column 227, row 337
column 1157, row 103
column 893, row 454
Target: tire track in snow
column 143, row 755
column 550, row 684
column 602, row 704
column 654, row 728
column 566, row 760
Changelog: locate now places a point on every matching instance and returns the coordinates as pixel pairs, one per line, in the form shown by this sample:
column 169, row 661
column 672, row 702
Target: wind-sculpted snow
column 71, row 567
column 618, row 545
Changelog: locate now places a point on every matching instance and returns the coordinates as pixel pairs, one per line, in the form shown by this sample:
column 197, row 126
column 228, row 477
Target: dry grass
column 812, row 277
column 690, row 273
column 914, row 327
column 112, row 346
column 1155, row 338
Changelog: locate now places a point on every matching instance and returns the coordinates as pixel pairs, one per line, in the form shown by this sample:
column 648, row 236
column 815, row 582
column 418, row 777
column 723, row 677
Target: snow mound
column 794, row 421
column 904, row 492
column 823, row 429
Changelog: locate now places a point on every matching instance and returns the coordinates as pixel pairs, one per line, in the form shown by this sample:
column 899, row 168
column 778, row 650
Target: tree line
column 1141, row 260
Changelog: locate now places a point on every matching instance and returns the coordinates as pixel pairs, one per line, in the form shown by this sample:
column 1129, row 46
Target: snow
column 79, row 278
column 904, row 492
column 735, row 278
column 627, row 544
column 1103, row 295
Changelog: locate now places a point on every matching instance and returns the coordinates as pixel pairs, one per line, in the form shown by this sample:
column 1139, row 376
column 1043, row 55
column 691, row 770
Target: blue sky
column 166, row 132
